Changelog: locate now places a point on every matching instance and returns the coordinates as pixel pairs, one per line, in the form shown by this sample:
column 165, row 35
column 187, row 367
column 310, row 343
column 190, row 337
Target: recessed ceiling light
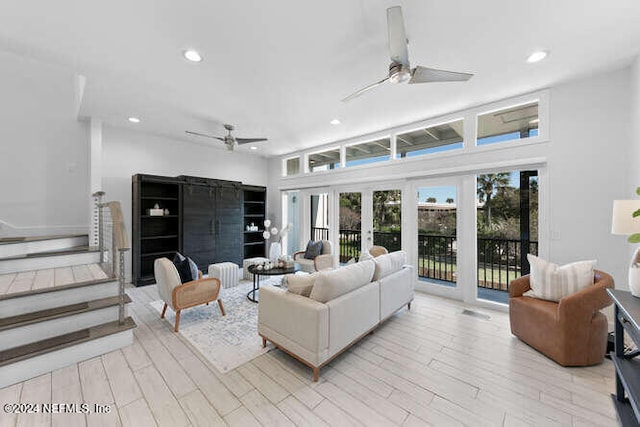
column 537, row 56
column 134, row 120
column 192, row 55
column 254, row 148
column 335, row 122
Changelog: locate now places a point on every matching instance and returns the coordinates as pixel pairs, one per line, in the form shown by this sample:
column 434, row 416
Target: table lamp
column 624, row 223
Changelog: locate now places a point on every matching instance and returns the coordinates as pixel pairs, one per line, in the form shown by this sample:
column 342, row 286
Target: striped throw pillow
column 553, row 282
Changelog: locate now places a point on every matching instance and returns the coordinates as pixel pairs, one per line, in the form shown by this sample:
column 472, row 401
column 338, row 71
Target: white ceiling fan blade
column 241, row 141
column 431, row 75
column 363, row 90
column 204, row 135
column 397, row 36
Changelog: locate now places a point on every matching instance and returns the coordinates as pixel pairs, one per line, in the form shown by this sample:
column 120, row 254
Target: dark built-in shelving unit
column 254, row 212
column 206, row 221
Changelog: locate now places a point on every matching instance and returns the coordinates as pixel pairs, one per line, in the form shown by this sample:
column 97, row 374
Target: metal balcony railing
column 499, row 259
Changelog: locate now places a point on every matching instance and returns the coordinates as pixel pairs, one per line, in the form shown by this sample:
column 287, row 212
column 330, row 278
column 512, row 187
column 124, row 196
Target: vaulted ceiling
column 280, row 68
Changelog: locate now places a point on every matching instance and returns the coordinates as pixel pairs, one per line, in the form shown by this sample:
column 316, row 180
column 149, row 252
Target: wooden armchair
column 179, row 295
column 321, row 262
column 376, row 251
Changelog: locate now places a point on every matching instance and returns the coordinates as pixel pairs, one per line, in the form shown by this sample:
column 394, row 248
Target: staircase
column 61, row 302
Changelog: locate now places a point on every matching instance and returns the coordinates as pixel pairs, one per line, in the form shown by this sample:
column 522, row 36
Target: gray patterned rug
column 226, row 341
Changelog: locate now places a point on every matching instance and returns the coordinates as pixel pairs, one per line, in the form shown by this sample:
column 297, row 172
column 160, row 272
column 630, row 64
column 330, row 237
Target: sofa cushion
column 333, row 283
column 301, row 283
column 552, row 282
column 388, row 264
column 313, row 249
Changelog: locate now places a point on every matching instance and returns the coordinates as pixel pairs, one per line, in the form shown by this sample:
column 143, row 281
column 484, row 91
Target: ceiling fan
column 399, row 70
column 229, row 140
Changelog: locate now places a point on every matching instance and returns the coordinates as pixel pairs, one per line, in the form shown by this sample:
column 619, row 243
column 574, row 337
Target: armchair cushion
column 313, row 249
column 553, row 282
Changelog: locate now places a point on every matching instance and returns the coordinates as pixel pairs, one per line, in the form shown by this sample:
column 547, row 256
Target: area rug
column 226, row 341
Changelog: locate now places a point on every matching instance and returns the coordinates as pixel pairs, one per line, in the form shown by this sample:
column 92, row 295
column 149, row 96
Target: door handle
column 217, row 227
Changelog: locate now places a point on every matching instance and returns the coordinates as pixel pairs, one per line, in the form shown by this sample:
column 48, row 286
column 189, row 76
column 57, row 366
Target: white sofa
column 343, row 305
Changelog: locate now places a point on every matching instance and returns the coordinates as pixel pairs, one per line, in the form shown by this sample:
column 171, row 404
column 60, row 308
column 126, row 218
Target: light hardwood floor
column 50, row 277
column 428, row 366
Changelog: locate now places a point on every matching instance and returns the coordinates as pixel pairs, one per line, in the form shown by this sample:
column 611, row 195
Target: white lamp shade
column 623, row 221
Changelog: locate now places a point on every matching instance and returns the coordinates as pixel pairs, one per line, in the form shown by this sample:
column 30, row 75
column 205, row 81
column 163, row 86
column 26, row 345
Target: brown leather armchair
column 571, row 332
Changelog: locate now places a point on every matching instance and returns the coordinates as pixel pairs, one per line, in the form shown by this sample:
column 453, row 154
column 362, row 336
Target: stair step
column 20, row 246
column 31, row 360
column 50, row 325
column 8, row 240
column 64, row 258
column 57, row 312
column 59, row 342
column 36, row 300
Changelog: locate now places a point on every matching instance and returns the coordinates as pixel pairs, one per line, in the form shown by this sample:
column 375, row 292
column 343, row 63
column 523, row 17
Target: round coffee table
column 253, row 269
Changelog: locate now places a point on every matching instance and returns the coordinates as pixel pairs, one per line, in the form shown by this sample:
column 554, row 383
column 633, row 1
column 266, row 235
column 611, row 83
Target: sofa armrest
column 299, row 319
column 519, row 286
column 323, row 262
column 589, row 301
column 195, row 292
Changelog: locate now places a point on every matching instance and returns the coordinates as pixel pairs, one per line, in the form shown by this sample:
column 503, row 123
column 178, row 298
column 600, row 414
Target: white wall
column 585, row 161
column 591, row 142
column 126, row 153
column 43, row 150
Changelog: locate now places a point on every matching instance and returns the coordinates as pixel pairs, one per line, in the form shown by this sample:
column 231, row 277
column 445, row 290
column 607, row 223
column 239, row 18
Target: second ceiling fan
column 229, row 140
column 399, row 69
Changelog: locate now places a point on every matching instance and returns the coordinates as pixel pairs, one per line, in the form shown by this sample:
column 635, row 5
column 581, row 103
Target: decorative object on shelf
column 156, row 211
column 275, row 248
column 166, row 211
column 626, row 221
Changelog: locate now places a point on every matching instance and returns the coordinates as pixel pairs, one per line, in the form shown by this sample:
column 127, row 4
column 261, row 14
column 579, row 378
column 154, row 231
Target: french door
column 368, row 217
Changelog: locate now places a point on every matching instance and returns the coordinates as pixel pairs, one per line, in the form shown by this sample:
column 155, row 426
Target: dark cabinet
column 212, row 222
column 204, row 219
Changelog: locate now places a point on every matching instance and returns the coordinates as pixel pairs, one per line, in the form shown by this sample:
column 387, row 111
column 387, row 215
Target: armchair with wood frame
column 178, row 295
column 321, row 262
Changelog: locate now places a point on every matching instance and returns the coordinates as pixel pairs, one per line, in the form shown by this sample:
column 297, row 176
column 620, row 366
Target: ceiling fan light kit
column 399, row 70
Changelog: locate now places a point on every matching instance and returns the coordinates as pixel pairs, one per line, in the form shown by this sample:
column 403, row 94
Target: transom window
column 508, row 124
column 431, row 139
column 324, row 160
column 292, row 166
column 368, row 152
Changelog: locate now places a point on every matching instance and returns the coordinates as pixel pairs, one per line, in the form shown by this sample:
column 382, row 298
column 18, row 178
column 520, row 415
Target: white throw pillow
column 552, row 282
column 301, row 284
column 331, row 284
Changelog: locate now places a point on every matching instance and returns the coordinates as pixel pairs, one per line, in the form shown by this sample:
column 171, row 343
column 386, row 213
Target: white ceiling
column 279, row 68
